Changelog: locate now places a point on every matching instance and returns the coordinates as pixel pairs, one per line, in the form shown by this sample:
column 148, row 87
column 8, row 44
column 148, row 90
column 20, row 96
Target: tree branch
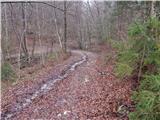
column 38, row 2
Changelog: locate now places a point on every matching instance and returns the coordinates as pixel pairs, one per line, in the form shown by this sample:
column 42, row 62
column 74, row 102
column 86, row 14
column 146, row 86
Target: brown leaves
column 83, row 95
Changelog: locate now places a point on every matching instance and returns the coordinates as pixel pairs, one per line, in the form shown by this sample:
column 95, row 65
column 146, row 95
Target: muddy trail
column 43, row 89
column 74, row 90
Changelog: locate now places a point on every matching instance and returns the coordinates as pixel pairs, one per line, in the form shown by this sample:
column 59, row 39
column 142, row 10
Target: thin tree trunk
column 80, row 33
column 90, row 11
column 26, row 25
column 24, row 35
column 19, row 38
column 19, row 59
column 65, row 26
column 33, row 47
column 12, row 22
column 79, row 25
column 99, row 24
column 153, row 13
column 141, row 63
column 39, row 35
column 57, row 29
column 6, row 31
column 19, row 55
column 89, row 35
column 51, row 50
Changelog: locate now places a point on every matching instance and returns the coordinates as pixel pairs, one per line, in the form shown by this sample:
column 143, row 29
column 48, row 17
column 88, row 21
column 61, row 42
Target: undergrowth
column 7, row 72
column 141, row 54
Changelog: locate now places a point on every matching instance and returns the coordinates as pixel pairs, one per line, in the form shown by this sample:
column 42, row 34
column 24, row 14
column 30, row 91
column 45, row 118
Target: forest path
column 75, row 90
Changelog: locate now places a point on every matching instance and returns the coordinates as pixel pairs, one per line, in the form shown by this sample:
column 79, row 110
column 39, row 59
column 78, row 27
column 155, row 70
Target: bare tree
column 153, row 13
column 57, row 29
column 65, row 26
column 6, row 31
column 39, row 34
column 24, row 29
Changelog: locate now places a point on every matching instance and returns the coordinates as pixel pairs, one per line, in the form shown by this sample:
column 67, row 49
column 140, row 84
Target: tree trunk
column 141, row 63
column 24, row 35
column 39, row 35
column 152, row 12
column 57, row 29
column 65, row 26
column 33, row 47
column 6, row 32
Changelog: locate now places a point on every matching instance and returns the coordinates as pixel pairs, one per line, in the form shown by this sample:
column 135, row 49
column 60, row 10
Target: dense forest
column 80, row 60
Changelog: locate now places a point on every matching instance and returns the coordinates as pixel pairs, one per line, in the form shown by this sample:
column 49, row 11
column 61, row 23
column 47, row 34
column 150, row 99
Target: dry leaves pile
column 91, row 92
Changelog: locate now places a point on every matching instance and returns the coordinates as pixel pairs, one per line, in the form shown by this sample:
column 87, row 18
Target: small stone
column 59, row 115
column 66, row 112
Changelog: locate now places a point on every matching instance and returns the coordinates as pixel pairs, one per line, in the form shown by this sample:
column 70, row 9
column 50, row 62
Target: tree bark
column 33, row 47
column 141, row 63
column 39, row 35
column 57, row 29
column 24, row 35
column 153, row 13
column 6, row 31
column 65, row 26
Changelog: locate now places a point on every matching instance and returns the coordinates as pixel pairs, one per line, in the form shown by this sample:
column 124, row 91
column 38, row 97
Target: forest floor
column 34, row 69
column 81, row 88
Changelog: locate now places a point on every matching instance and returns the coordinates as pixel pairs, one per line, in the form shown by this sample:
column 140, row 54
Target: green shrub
column 151, row 83
column 123, row 70
column 126, row 63
column 153, row 58
column 7, row 72
column 136, row 30
column 148, row 99
column 128, row 57
column 143, row 50
column 119, row 45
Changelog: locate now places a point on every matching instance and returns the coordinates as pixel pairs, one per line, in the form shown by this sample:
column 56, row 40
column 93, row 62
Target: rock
column 66, row 112
column 122, row 110
column 59, row 115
